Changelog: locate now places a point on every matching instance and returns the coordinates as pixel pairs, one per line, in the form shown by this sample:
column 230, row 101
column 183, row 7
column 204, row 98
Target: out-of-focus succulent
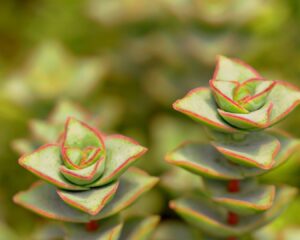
column 238, row 103
column 87, row 181
column 52, row 73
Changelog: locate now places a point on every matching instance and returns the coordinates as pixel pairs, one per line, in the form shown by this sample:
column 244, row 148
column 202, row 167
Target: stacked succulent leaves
column 237, row 106
column 87, row 178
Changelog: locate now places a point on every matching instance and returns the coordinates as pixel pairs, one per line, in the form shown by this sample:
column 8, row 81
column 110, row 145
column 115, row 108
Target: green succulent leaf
column 45, row 162
column 109, row 229
column 139, row 228
column 211, row 218
column 91, row 201
column 288, row 146
column 251, row 199
column 79, row 135
column 175, row 230
column 252, row 121
column 121, row 153
column 23, row 146
column 205, row 160
column 86, row 175
column 200, row 105
column 43, row 199
column 44, row 131
column 233, row 70
column 256, row 150
column 223, row 93
column 285, row 97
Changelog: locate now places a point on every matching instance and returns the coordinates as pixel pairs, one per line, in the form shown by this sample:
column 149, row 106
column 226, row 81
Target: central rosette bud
column 83, row 153
column 241, row 97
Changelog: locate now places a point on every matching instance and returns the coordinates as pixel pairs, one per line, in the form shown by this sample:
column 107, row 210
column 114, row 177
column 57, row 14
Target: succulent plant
column 236, row 107
column 87, row 180
column 49, row 130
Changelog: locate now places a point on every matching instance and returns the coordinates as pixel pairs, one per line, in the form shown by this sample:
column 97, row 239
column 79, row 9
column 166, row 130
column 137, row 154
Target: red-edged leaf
column 200, row 105
column 122, row 152
column 85, row 175
column 45, row 162
column 233, row 70
column 252, row 121
column 91, row 201
column 43, row 199
column 256, row 150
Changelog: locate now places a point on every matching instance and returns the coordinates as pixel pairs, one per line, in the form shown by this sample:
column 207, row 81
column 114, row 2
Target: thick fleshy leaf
column 212, row 218
column 285, row 97
column 86, row 175
column 23, row 146
column 80, row 135
column 223, row 93
column 257, row 150
column 65, row 109
column 121, row 153
column 133, row 184
column 43, row 199
column 251, row 199
column 44, row 131
column 200, row 105
column 233, row 70
column 176, row 230
column 45, row 162
column 288, row 146
column 204, row 160
column 250, row 121
column 91, row 201
column 109, row 229
column 258, row 96
column 139, row 228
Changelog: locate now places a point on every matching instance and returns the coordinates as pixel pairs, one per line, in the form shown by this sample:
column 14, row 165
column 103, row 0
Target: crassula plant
column 87, row 179
column 237, row 107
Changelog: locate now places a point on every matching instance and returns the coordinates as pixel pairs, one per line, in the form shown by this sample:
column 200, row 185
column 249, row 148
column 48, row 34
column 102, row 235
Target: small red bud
column 232, row 218
column 233, row 186
column 92, row 226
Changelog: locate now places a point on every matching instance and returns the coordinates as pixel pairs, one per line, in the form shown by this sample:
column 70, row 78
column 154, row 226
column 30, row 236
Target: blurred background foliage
column 126, row 61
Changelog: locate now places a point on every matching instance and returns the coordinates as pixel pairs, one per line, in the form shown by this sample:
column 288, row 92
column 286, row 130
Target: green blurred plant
column 238, row 105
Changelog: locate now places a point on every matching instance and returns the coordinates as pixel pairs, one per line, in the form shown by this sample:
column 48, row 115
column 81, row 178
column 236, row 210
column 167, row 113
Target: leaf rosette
column 239, row 99
column 85, row 171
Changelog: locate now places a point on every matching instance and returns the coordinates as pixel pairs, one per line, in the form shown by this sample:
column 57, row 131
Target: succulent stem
column 92, row 226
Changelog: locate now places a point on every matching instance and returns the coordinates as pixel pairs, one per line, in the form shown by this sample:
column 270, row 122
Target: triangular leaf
column 109, row 229
column 257, row 150
column 139, row 228
column 43, row 199
column 200, row 105
column 91, row 201
column 233, row 70
column 45, row 162
column 121, row 153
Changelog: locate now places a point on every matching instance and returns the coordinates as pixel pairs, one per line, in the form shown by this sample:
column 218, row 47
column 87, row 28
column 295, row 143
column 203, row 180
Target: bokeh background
column 127, row 61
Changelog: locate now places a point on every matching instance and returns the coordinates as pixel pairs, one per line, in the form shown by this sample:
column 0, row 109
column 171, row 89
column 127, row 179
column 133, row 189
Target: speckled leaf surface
column 251, row 199
column 43, row 199
column 109, row 229
column 139, row 228
column 45, row 162
column 211, row 218
column 91, row 201
column 121, row 153
column 200, row 105
column 205, row 160
column 256, row 150
column 233, row 70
